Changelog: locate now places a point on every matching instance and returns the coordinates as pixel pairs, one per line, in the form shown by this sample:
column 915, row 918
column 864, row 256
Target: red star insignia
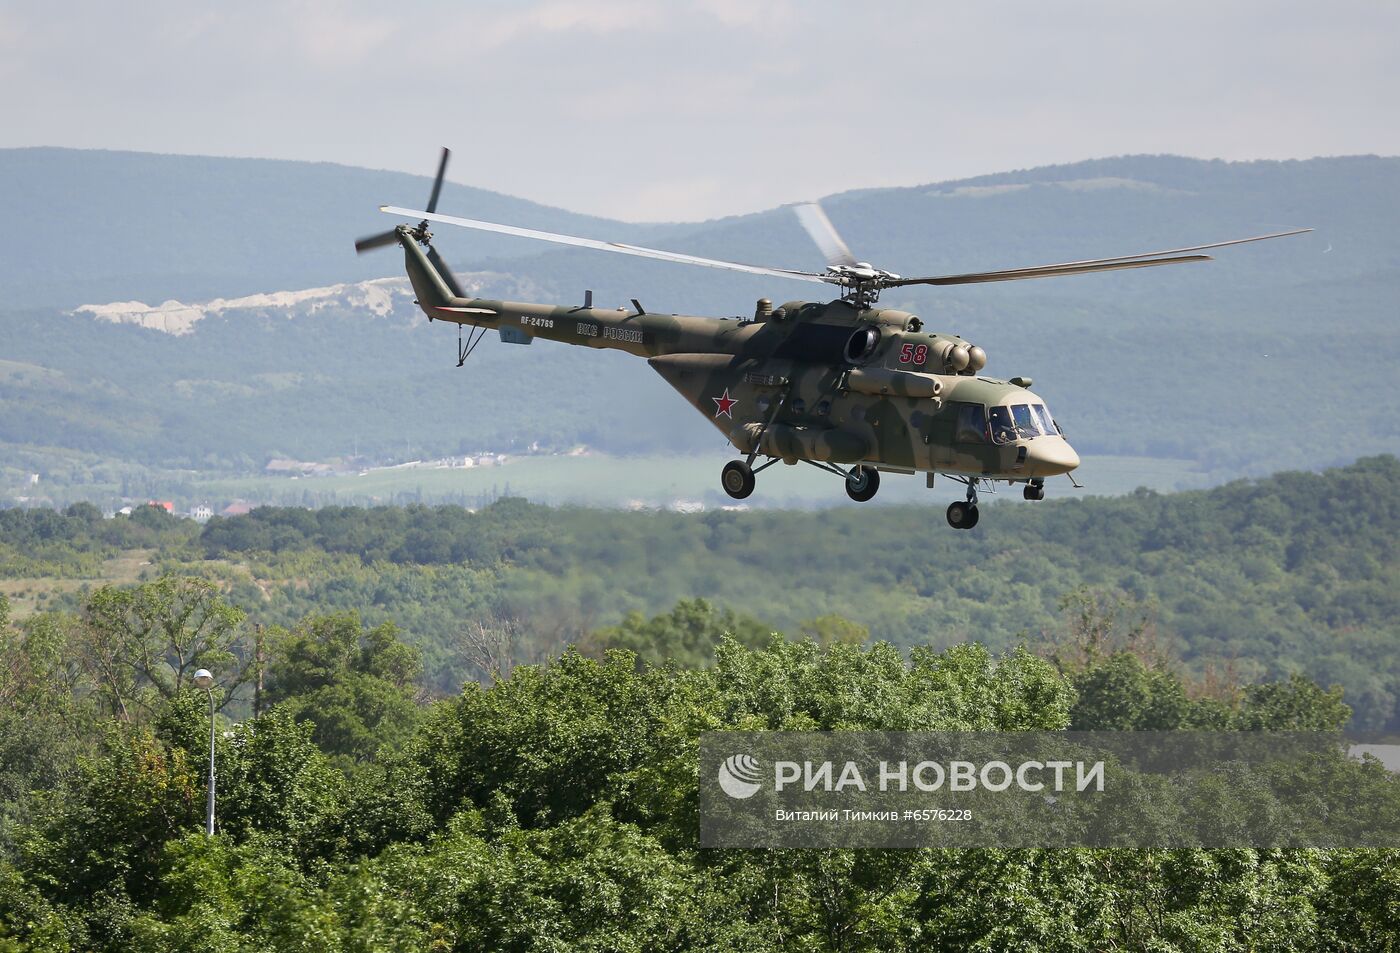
column 724, row 405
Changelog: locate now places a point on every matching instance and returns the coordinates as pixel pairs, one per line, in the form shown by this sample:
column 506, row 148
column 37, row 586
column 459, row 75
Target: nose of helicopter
column 1050, row 456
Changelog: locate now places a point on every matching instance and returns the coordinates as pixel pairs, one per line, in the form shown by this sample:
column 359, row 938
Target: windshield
column 1020, row 422
column 1026, row 425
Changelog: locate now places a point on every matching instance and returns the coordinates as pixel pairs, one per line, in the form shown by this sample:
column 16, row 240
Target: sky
column 670, row 110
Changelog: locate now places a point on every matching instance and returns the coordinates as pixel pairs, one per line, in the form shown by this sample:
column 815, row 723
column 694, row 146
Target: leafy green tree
column 103, row 835
column 832, row 629
column 590, row 883
column 273, row 782
column 29, row 922
column 687, row 635
column 356, row 686
column 218, row 896
column 1120, row 693
column 280, row 788
column 46, row 720
column 144, row 643
column 1361, row 906
column 1298, row 704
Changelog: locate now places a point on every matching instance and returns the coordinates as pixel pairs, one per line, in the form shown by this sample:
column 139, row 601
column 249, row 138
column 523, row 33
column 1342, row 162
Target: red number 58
column 910, row 354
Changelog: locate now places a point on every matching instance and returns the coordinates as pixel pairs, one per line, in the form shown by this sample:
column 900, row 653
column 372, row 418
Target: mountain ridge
column 1277, row 355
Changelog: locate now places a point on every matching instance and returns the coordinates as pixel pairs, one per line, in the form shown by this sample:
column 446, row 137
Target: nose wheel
column 964, row 514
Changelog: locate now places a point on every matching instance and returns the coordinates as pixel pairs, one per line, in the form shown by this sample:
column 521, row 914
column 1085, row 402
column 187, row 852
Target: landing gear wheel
column 962, row 515
column 862, row 483
column 737, row 479
column 1034, row 491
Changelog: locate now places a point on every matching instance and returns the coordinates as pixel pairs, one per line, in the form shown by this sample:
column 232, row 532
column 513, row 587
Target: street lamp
column 204, row 680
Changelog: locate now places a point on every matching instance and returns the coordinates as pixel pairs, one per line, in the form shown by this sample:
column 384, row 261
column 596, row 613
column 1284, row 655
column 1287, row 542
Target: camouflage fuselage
column 818, row 381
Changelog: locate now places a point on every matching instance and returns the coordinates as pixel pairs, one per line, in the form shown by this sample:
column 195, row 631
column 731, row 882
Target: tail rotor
column 421, row 233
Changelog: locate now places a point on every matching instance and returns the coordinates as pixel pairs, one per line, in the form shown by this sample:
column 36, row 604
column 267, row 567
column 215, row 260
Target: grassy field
column 28, row 596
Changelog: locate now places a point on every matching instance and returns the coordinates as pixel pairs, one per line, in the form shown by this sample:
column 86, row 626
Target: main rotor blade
column 437, row 182
column 1087, row 265
column 1049, row 271
column 824, row 234
column 376, row 241
column 599, row 245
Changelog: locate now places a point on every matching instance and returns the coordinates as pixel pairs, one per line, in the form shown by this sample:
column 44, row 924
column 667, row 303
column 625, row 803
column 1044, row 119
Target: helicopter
column 842, row 385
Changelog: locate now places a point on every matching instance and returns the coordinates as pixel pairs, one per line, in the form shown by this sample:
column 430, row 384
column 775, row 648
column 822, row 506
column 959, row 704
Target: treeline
column 1295, row 573
column 40, row 542
column 554, row 807
column 1292, row 574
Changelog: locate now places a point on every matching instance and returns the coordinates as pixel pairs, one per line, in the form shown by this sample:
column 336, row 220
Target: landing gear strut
column 862, row 483
column 964, row 515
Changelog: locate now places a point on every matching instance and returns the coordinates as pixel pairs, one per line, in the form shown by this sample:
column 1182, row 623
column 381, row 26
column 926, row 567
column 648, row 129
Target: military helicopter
column 842, row 385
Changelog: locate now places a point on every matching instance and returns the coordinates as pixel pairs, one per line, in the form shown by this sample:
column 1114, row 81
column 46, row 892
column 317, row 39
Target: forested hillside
column 1276, row 355
column 1296, row 573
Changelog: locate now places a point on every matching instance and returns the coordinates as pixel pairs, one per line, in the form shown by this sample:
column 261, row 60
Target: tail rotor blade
column 437, row 183
column 372, row 242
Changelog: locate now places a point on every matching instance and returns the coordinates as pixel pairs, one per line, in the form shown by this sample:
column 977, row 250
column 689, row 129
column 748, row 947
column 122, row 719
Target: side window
column 972, row 424
column 1047, row 425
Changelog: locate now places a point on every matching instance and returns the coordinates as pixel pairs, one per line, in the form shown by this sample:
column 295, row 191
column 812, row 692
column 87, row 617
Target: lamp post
column 204, row 680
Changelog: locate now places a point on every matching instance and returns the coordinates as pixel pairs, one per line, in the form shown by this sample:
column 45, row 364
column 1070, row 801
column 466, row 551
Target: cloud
column 697, row 108
column 493, row 29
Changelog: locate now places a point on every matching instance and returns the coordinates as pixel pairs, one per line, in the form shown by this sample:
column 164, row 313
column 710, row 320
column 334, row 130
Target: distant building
column 167, row 505
column 237, row 508
column 201, row 512
column 33, row 479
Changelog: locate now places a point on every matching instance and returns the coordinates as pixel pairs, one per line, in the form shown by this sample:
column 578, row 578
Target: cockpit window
column 1047, row 423
column 1020, row 422
column 1003, row 427
column 972, row 424
column 1026, row 426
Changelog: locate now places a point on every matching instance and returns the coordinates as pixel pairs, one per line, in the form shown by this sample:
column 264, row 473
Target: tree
column 832, row 629
column 145, row 643
column 356, row 686
column 103, row 836
column 1298, row 704
column 687, row 635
